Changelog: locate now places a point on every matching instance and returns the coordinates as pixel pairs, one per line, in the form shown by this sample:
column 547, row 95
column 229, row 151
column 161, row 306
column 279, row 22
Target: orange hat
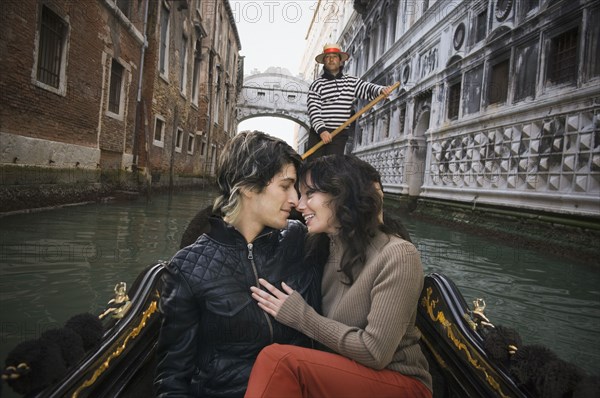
column 332, row 49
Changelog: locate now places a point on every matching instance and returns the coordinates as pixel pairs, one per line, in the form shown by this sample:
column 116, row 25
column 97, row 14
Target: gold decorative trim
column 120, row 304
column 133, row 334
column 440, row 317
column 434, row 352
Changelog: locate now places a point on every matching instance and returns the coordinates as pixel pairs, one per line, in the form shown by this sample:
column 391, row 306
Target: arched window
column 366, row 51
column 383, row 36
column 374, row 44
column 392, row 8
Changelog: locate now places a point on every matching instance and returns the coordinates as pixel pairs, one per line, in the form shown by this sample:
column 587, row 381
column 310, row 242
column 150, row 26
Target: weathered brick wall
column 163, row 96
column 70, row 126
column 32, row 111
column 117, row 133
column 77, row 116
column 168, row 101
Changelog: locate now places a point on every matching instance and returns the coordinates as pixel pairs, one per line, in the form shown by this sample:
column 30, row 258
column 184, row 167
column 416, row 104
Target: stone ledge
column 570, row 237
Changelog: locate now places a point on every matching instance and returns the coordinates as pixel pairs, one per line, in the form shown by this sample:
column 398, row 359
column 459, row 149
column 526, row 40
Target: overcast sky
column 272, row 34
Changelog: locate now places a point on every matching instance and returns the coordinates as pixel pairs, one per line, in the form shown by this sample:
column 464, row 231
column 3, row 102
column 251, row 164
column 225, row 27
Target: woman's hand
column 270, row 303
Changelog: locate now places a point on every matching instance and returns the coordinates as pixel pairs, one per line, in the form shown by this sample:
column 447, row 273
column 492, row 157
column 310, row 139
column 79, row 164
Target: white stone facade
column 499, row 100
column 329, row 19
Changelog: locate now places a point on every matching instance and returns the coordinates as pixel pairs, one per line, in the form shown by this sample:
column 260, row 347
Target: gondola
column 123, row 363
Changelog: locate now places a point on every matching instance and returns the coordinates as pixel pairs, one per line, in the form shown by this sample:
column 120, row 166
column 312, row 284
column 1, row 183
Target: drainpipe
column 173, row 142
column 211, row 63
column 139, row 93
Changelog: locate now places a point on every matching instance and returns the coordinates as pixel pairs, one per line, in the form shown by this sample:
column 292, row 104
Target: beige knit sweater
column 371, row 321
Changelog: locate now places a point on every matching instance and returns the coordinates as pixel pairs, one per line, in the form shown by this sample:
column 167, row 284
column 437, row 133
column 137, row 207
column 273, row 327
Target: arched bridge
column 274, row 94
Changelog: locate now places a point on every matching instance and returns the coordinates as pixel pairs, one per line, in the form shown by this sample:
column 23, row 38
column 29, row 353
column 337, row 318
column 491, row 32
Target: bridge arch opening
column 274, row 102
column 284, row 128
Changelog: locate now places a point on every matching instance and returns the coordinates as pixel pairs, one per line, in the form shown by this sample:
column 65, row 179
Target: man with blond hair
column 211, row 331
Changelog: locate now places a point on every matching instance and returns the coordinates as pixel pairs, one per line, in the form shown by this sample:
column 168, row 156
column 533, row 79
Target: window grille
column 52, row 40
column 183, row 66
column 498, row 87
column 158, row 130
column 196, row 72
column 164, row 41
column 526, row 71
column 116, row 82
column 481, row 27
column 179, row 140
column 454, row 101
column 190, row 144
column 402, row 120
column 563, row 57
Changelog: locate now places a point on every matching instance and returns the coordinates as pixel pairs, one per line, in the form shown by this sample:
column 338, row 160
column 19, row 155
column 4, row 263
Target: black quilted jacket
column 212, row 330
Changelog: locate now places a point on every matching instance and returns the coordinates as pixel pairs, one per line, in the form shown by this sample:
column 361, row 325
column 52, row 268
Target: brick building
column 81, row 91
column 190, row 86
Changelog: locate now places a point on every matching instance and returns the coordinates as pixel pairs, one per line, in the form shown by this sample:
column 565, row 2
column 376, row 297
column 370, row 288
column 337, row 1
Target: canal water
column 61, row 262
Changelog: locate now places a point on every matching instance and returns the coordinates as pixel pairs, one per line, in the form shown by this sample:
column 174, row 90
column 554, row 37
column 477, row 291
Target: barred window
column 402, row 120
column 159, row 132
column 562, row 57
column 53, row 32
column 190, row 144
column 164, row 42
column 183, row 66
column 526, row 71
column 179, row 140
column 196, row 72
column 480, row 26
column 498, row 85
column 454, row 100
column 116, row 84
column 472, row 90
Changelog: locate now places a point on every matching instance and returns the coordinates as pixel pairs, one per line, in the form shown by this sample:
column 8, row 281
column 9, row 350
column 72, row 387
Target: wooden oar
column 347, row 122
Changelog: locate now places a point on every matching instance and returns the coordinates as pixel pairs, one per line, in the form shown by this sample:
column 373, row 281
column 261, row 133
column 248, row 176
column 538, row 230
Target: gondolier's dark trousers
column 291, row 371
column 335, row 147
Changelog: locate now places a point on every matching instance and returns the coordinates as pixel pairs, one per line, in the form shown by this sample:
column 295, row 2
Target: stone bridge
column 274, row 94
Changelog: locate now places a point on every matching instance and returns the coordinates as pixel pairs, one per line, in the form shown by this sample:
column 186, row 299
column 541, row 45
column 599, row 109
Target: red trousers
column 289, row 371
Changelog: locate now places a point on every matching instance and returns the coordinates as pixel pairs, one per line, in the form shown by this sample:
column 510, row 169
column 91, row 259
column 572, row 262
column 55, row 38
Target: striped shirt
column 330, row 99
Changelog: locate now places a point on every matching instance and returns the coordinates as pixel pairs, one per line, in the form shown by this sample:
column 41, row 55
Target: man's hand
column 387, row 90
column 326, row 137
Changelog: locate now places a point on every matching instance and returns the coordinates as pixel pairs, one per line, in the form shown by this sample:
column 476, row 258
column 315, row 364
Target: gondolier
column 331, row 97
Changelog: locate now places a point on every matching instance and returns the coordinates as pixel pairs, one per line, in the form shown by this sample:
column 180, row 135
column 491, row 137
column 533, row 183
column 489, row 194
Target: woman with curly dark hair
column 371, row 285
